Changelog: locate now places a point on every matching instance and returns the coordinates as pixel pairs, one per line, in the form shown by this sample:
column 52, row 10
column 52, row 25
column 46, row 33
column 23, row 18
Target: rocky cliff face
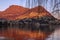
column 12, row 12
column 15, row 12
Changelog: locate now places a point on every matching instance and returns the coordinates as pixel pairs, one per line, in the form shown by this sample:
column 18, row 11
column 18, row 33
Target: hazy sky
column 6, row 3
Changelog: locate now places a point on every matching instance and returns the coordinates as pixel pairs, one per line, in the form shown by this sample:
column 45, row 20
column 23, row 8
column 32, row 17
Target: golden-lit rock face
column 12, row 12
column 34, row 12
column 15, row 12
column 32, row 15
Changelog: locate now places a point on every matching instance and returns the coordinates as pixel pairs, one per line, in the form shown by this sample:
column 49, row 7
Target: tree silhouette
column 56, row 9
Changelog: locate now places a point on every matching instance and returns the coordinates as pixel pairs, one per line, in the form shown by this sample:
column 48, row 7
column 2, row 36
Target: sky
column 6, row 3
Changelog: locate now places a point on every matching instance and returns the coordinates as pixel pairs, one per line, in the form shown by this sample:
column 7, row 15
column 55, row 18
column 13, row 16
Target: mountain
column 34, row 12
column 13, row 11
column 16, row 9
column 41, row 10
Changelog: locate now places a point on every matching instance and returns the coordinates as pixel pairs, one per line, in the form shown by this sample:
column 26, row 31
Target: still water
column 55, row 35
